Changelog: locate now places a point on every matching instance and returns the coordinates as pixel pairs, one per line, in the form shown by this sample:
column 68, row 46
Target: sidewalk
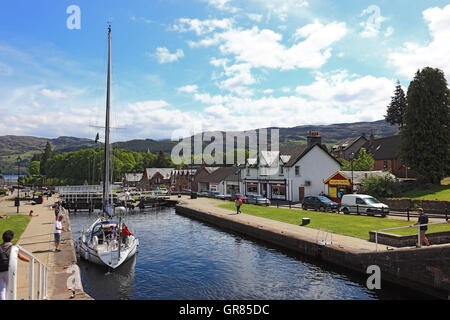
column 349, row 244
column 38, row 240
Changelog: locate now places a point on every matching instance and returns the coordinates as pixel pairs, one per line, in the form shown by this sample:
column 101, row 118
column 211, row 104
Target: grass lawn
column 349, row 225
column 16, row 223
column 441, row 192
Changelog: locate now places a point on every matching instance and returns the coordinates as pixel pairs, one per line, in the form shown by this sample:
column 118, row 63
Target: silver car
column 258, row 200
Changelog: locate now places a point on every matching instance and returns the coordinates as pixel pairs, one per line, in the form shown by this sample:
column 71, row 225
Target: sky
column 181, row 67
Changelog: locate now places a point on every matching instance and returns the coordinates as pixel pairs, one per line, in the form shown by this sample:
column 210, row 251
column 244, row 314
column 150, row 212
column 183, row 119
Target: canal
column 184, row 259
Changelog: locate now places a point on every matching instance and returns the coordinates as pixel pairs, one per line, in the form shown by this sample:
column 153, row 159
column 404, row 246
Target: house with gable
column 291, row 173
column 155, row 177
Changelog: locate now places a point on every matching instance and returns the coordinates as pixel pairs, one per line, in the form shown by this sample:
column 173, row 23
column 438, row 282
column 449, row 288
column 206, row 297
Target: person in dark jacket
column 423, row 219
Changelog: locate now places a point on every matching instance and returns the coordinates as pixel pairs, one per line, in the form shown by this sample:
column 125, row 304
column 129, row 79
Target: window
column 360, row 201
column 297, row 170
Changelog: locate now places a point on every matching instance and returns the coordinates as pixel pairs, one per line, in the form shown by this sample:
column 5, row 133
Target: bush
column 381, row 187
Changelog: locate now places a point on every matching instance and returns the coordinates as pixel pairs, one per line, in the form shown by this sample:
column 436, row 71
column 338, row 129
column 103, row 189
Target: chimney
column 372, row 139
column 363, row 135
column 313, row 138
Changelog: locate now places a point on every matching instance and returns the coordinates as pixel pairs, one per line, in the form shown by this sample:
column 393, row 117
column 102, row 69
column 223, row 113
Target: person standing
column 57, row 232
column 423, row 219
column 238, row 204
column 5, row 251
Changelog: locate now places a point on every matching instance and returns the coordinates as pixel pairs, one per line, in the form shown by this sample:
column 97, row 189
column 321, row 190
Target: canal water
column 184, row 259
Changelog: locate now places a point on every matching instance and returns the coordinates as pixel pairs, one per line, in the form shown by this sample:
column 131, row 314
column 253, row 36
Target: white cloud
column 164, row 55
column 222, row 5
column 201, row 27
column 188, row 89
column 413, row 56
column 255, row 17
column 373, row 23
column 53, row 94
column 389, row 32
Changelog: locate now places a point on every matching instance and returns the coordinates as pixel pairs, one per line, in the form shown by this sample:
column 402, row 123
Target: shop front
column 338, row 185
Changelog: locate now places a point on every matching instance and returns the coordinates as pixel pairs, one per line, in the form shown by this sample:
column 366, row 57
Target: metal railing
column 324, row 242
column 41, row 293
column 419, row 243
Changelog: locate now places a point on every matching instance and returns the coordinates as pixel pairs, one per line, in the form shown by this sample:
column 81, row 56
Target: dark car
column 238, row 196
column 320, row 203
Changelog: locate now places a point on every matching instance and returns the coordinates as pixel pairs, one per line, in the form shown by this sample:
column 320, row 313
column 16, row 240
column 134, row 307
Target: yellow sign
column 332, row 192
column 339, row 182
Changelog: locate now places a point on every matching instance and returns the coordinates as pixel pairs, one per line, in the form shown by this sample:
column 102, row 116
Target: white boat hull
column 110, row 258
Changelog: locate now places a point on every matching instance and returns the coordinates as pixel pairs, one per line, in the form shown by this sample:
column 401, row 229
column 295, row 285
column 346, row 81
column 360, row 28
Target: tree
column 47, row 154
column 397, row 107
column 426, row 134
column 161, row 161
column 380, row 187
column 362, row 162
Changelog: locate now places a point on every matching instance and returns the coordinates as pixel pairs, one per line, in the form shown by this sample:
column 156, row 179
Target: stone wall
column 409, row 241
column 429, row 206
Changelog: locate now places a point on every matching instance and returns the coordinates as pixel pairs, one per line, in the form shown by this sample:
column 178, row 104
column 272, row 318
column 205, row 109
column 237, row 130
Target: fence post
column 277, row 204
column 31, row 293
column 418, row 237
column 357, row 209
column 407, row 213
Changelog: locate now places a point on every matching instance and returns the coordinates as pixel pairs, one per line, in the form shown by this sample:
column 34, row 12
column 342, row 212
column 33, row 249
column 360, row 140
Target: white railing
column 13, row 273
column 419, row 243
column 324, row 242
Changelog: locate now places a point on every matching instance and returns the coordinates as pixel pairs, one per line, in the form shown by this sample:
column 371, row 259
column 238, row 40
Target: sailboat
column 108, row 241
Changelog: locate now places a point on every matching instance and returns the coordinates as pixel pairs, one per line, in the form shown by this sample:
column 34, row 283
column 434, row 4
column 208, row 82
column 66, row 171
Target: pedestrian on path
column 57, row 232
column 423, row 219
column 33, row 215
column 5, row 251
column 238, row 204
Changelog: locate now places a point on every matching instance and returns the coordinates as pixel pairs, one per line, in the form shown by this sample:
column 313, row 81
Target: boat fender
column 86, row 255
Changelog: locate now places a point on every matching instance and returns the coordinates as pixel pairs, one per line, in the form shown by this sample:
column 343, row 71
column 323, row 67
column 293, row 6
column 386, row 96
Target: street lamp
column 18, row 183
column 353, row 158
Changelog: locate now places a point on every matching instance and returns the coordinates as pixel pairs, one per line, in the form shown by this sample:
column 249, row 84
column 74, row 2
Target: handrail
column 13, row 270
column 406, row 227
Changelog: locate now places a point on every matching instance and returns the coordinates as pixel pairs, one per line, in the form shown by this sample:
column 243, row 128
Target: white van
column 362, row 203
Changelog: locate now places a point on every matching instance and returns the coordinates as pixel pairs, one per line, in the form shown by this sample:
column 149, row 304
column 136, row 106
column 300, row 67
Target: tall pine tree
column 47, row 154
column 397, row 107
column 426, row 133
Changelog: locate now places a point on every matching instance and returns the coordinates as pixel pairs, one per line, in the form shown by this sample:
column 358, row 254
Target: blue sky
column 185, row 66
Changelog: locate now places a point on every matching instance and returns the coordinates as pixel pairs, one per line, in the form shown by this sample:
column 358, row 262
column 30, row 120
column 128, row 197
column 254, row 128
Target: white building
column 291, row 173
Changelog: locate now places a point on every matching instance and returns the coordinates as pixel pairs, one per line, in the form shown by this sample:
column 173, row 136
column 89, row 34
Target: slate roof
column 347, row 143
column 219, row 175
column 133, row 177
column 165, row 172
column 384, row 148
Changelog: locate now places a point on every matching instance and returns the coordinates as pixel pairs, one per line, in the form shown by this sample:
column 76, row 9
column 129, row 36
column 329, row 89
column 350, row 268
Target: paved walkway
column 38, row 240
column 347, row 243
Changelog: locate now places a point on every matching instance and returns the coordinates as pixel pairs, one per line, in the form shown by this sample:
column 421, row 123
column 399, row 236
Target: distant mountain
column 27, row 146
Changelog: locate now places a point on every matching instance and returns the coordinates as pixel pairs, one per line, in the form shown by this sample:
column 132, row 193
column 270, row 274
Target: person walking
column 423, row 219
column 5, row 251
column 57, row 232
column 238, row 204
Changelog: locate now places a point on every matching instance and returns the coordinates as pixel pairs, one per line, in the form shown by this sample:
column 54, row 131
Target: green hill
column 27, row 146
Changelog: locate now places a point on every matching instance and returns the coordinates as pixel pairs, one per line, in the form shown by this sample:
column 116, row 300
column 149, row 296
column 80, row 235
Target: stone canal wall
column 426, row 269
column 409, row 241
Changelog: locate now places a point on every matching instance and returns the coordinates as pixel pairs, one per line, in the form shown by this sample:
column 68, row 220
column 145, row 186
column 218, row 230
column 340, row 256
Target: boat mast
column 106, row 186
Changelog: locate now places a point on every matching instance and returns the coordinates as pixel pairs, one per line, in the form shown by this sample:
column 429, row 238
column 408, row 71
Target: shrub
column 381, row 187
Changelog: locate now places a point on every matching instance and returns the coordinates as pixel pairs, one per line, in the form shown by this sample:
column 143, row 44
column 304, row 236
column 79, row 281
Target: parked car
column 362, row 203
column 320, row 203
column 237, row 196
column 203, row 194
column 214, row 194
column 257, row 199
